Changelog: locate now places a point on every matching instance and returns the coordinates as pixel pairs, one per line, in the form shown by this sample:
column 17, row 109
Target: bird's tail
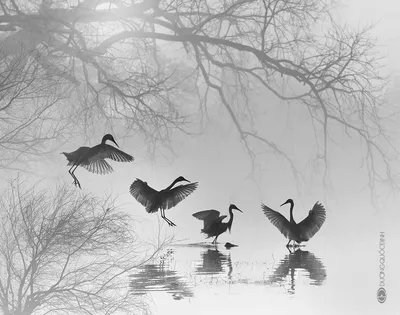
column 68, row 156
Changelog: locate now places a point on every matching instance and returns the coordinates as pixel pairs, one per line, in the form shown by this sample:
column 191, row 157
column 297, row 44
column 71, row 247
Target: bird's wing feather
column 208, row 217
column 174, row 196
column 143, row 193
column 98, row 167
column 277, row 219
column 206, row 214
column 221, row 218
column 311, row 225
column 106, row 151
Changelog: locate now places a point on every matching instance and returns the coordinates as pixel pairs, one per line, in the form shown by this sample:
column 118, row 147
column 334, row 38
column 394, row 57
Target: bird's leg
column 170, row 223
column 76, row 181
column 215, row 240
column 72, row 174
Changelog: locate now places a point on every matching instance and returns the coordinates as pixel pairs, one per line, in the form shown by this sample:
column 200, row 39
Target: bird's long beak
column 239, row 210
column 283, row 203
column 115, row 143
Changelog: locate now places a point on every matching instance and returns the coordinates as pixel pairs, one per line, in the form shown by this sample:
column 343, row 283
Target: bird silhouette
column 164, row 199
column 213, row 225
column 93, row 158
column 297, row 232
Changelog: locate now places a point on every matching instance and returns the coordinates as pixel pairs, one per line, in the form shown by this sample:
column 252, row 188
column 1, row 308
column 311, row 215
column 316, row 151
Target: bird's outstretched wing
column 144, row 194
column 277, row 219
column 105, row 151
column 208, row 217
column 98, row 167
column 221, row 218
column 172, row 197
column 311, row 225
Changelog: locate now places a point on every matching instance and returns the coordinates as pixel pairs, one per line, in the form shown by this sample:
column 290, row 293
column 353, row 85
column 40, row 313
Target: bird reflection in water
column 214, row 262
column 299, row 261
column 160, row 277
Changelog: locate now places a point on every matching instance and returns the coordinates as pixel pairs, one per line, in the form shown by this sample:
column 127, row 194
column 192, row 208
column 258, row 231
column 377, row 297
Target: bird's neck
column 103, row 141
column 172, row 185
column 230, row 217
column 291, row 212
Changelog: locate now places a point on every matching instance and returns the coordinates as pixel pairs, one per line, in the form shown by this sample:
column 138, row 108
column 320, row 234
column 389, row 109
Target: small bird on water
column 164, row 199
column 93, row 158
column 297, row 232
column 213, row 225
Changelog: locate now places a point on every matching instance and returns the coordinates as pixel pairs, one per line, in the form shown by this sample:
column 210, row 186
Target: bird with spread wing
column 93, row 158
column 213, row 225
column 164, row 199
column 297, row 232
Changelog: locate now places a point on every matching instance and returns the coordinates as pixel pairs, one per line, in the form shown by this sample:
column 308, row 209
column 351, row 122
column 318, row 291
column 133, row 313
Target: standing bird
column 93, row 158
column 299, row 232
column 163, row 199
column 213, row 225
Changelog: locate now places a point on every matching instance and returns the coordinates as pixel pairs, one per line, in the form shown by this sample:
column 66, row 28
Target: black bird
column 164, row 199
column 299, row 232
column 93, row 158
column 213, row 225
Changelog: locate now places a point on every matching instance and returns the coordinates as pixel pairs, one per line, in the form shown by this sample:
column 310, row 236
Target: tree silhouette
column 158, row 65
column 65, row 253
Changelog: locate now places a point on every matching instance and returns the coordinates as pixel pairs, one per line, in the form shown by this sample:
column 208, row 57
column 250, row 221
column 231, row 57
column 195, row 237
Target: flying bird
column 297, row 232
column 164, row 199
column 93, row 158
column 213, row 225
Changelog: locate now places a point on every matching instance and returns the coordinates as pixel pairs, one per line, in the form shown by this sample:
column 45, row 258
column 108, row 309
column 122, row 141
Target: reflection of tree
column 66, row 253
column 213, row 262
column 159, row 277
column 296, row 261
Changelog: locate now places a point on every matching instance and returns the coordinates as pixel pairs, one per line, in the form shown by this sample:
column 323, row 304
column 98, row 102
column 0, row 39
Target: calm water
column 264, row 276
column 214, row 266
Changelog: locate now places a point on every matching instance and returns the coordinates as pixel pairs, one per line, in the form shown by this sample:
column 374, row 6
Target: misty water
column 329, row 275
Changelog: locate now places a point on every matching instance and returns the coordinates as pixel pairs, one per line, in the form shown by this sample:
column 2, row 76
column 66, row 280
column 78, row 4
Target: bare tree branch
column 155, row 66
column 66, row 253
